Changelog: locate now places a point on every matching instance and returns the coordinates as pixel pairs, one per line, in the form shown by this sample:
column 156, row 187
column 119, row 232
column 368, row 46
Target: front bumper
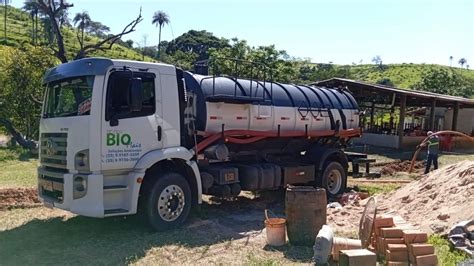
column 57, row 191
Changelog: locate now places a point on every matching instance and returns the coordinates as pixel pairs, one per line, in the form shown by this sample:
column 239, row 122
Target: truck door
column 127, row 135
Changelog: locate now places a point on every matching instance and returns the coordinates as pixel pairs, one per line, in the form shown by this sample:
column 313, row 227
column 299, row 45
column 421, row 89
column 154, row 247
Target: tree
column 462, row 62
column 198, row 42
column 21, row 88
column 33, row 8
column 5, row 2
column 451, row 60
column 84, row 21
column 129, row 43
column 444, row 81
column 98, row 29
column 53, row 10
column 160, row 18
column 377, row 60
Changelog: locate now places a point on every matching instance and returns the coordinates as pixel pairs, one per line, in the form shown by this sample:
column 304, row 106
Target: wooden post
column 432, row 115
column 401, row 123
column 372, row 111
column 455, row 116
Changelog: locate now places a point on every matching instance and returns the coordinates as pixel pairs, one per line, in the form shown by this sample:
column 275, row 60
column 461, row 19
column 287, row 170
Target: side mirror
column 136, row 94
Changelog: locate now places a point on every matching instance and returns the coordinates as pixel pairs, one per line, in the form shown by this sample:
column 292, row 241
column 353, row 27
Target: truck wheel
column 168, row 202
column 334, row 179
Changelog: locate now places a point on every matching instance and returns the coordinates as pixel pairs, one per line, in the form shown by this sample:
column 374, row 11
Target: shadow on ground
column 81, row 240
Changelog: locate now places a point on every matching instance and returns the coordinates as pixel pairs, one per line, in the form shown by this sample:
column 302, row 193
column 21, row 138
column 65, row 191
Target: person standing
column 433, row 151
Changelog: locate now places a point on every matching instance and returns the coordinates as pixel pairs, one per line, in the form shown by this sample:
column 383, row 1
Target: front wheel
column 169, row 202
column 334, row 179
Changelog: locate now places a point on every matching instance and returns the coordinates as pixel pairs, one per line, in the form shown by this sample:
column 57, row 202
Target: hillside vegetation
column 402, row 75
column 19, row 32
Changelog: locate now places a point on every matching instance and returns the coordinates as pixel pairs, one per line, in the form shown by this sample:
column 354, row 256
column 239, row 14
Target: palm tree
column 450, row 60
column 159, row 19
column 84, row 21
column 33, row 8
column 462, row 61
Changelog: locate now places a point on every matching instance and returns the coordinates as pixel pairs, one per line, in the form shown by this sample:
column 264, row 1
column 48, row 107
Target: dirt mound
column 436, row 201
column 18, row 198
column 404, row 166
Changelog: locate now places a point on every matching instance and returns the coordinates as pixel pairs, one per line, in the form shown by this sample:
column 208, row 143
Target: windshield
column 69, row 97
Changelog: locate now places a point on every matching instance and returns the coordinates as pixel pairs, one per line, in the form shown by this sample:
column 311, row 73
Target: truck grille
column 53, row 150
column 53, row 154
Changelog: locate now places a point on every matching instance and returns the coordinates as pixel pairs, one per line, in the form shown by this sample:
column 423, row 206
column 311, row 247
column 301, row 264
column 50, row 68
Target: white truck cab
column 116, row 134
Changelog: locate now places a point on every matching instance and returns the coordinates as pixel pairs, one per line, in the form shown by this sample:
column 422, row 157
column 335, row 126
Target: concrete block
column 421, row 249
column 397, row 256
column 427, row 260
column 397, row 247
column 356, row 257
column 391, row 232
column 383, row 221
column 414, row 236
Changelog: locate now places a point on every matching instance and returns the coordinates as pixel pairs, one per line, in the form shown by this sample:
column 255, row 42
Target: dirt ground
column 220, row 232
column 392, row 168
column 18, row 198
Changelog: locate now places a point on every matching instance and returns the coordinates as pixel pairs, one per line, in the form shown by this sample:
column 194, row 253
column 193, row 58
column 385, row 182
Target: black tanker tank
column 224, row 103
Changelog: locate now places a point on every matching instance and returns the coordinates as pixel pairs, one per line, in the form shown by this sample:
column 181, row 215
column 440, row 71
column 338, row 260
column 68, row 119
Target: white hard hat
column 430, row 133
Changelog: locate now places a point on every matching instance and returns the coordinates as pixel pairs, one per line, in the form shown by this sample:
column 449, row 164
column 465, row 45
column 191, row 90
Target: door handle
column 159, row 133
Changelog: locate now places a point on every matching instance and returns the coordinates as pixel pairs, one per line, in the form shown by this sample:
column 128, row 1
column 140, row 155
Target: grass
column 447, row 255
column 18, row 168
column 40, row 235
column 373, row 189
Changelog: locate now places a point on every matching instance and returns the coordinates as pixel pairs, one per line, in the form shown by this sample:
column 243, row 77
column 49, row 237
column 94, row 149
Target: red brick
column 397, row 247
column 397, row 263
column 397, row 256
column 427, row 260
column 391, row 241
column 392, row 232
column 421, row 249
column 414, row 236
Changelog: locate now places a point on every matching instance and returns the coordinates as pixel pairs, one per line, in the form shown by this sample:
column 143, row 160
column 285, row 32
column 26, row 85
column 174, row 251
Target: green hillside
column 401, row 75
column 19, row 31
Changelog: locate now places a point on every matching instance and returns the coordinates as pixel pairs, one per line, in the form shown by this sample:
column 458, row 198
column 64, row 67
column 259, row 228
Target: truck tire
column 168, row 202
column 334, row 179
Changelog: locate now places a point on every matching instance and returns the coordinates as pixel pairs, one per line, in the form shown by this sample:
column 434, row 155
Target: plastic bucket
column 276, row 230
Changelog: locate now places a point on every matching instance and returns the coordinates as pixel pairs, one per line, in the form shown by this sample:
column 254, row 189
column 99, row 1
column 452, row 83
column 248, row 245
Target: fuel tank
column 224, row 103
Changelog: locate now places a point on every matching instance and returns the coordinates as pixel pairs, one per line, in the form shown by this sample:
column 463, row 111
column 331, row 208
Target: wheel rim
column 334, row 181
column 171, row 203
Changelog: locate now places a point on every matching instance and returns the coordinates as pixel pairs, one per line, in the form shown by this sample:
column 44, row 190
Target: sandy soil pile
column 18, row 198
column 436, row 201
column 394, row 167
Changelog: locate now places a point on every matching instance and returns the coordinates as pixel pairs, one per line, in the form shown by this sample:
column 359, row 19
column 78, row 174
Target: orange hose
column 445, row 132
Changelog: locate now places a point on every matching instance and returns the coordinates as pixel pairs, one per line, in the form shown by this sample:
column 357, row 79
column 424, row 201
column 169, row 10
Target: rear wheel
column 168, row 202
column 334, row 179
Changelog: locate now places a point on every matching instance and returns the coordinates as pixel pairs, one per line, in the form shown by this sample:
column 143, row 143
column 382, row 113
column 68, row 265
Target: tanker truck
column 123, row 137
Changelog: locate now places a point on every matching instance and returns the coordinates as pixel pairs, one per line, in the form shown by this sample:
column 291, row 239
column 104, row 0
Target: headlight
column 80, row 186
column 81, row 160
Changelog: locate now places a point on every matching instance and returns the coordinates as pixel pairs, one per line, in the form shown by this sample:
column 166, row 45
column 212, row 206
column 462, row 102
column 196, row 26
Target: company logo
column 51, row 147
column 118, row 139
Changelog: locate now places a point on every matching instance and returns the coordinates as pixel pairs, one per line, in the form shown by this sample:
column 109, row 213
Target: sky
column 338, row 31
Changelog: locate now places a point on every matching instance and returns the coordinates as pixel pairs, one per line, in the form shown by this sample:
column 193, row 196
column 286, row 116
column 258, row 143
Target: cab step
column 115, row 211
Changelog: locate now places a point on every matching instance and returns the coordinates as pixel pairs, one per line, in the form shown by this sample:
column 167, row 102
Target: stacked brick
column 401, row 243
